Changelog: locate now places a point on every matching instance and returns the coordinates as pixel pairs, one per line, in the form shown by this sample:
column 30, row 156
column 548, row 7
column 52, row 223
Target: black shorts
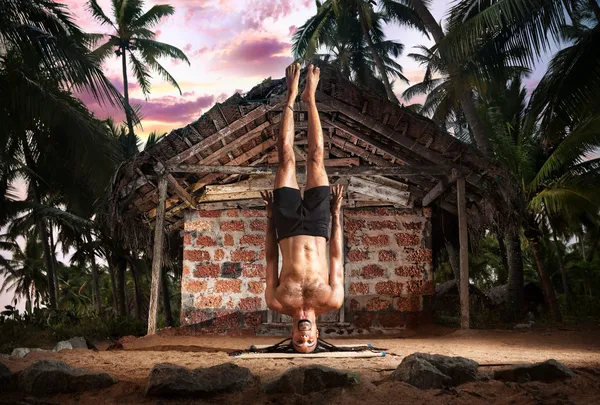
column 296, row 216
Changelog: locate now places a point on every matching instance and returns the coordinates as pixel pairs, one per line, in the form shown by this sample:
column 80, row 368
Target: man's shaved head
column 304, row 335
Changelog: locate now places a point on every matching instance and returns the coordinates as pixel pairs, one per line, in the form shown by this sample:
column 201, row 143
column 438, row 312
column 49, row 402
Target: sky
column 232, row 45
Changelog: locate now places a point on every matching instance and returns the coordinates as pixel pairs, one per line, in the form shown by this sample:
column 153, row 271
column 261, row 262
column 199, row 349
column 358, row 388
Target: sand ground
column 579, row 349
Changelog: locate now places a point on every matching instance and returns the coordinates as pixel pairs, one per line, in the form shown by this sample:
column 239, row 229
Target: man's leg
column 315, row 166
column 286, row 171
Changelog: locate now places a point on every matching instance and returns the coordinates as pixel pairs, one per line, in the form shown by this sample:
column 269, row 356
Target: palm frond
column 142, row 75
column 153, row 16
column 94, row 8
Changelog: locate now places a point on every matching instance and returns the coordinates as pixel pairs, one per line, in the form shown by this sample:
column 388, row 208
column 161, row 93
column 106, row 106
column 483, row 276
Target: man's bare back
column 308, row 285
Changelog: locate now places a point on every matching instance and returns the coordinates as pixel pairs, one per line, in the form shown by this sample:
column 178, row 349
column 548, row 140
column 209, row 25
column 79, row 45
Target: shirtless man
column 307, row 286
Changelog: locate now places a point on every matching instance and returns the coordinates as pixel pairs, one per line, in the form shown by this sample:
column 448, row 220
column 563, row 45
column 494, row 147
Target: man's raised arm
column 336, row 260
column 271, row 256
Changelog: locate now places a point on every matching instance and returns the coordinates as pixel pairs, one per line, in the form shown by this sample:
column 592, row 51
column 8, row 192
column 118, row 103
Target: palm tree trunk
column 502, row 279
column 547, row 288
column 514, row 258
column 41, row 225
column 53, row 255
column 126, row 91
column 137, row 298
column 113, row 281
column 122, row 305
column 166, row 297
column 561, row 264
column 378, row 62
column 466, row 100
column 96, row 284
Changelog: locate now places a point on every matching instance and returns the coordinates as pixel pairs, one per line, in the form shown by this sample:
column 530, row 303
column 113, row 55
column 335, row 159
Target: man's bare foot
column 292, row 75
column 312, row 80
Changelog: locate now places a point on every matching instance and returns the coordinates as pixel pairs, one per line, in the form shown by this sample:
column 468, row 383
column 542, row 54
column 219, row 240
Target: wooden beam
column 335, row 162
column 344, row 145
column 463, row 238
column 157, row 256
column 389, row 133
column 438, row 190
column 345, row 171
column 378, row 191
column 220, row 134
column 180, row 191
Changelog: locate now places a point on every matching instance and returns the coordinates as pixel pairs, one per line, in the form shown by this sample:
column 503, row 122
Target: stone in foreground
column 5, row 378
column 169, row 380
column 47, row 377
column 20, row 352
column 73, row 343
column 427, row 371
column 548, row 371
column 307, row 379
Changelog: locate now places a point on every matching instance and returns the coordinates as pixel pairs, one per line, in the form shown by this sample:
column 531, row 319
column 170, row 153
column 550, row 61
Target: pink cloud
column 257, row 50
column 258, row 57
column 187, row 47
column 173, row 109
column 263, row 9
column 222, row 97
column 292, row 30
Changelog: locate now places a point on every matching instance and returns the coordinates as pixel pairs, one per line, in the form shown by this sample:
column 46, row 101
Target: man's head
column 304, row 335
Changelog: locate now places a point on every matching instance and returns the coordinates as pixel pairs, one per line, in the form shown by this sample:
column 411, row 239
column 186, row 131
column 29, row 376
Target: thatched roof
column 358, row 125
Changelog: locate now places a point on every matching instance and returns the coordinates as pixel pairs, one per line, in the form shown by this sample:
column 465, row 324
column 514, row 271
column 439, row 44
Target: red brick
column 209, row 213
column 232, row 213
column 228, row 286
column 258, row 225
column 354, row 224
column 194, row 286
column 228, row 240
column 254, row 270
column 187, row 271
column 187, row 239
column 205, row 241
column 212, row 301
column 219, row 254
column 408, row 304
column 391, row 320
column 363, row 320
column 420, row 255
column 201, row 226
column 253, row 213
column 242, row 255
column 379, row 240
column 407, row 239
column 359, row 288
column 252, row 319
column 370, row 212
column 207, row 270
column 231, row 270
column 227, row 319
column 254, row 240
column 195, row 316
column 356, row 255
column 382, row 225
column 196, row 255
column 354, row 305
column 377, row 304
column 413, row 226
column 427, row 212
column 388, row 288
column 250, row 304
column 387, row 256
column 420, row 287
column 256, row 287
column 409, row 271
column 373, row 270
column 261, row 255
column 232, row 226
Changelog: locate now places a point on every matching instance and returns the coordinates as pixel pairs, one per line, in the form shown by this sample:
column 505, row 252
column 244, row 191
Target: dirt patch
column 579, row 350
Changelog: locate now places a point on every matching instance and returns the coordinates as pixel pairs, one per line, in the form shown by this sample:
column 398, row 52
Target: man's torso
column 304, row 276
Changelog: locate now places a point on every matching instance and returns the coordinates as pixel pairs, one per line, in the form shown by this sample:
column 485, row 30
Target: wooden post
column 157, row 255
column 463, row 237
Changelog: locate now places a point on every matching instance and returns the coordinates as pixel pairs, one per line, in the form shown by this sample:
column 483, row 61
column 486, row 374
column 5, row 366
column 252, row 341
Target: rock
column 523, row 326
column 548, row 371
column 5, row 378
column 427, row 371
column 21, row 352
column 115, row 346
column 47, row 377
column 171, row 380
column 306, row 379
column 73, row 343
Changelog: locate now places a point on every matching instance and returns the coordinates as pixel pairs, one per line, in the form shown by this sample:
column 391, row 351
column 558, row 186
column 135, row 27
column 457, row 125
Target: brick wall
column 387, row 265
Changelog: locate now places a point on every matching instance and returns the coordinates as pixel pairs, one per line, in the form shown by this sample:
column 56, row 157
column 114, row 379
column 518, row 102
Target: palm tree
column 132, row 37
column 356, row 24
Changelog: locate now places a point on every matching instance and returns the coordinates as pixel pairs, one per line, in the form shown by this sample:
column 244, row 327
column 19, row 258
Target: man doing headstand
column 307, row 286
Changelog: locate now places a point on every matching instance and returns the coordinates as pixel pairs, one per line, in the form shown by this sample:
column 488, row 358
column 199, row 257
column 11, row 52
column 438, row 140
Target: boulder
column 307, row 379
column 548, row 371
column 5, row 378
column 47, row 377
column 73, row 343
column 426, row 371
column 20, row 352
column 170, row 380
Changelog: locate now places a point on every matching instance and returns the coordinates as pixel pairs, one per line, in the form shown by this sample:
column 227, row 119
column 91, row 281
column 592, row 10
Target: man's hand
column 336, row 200
column 268, row 199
